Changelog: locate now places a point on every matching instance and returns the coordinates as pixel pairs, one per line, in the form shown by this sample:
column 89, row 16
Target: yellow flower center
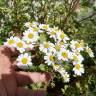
column 56, row 65
column 62, row 43
column 46, row 45
column 57, row 47
column 64, row 54
column 45, row 27
column 77, row 66
column 35, row 29
column 62, row 35
column 11, row 41
column 78, row 45
column 30, row 35
column 53, row 33
column 24, row 60
column 51, row 57
column 75, row 58
column 30, row 24
column 20, row 44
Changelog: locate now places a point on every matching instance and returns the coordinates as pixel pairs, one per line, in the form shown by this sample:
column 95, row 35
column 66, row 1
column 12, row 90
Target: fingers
column 24, row 78
column 14, row 64
column 8, row 51
column 2, row 89
column 4, row 51
column 9, row 82
column 27, row 92
column 13, row 52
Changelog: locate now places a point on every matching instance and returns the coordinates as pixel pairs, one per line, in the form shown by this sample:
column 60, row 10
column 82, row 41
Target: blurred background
column 77, row 18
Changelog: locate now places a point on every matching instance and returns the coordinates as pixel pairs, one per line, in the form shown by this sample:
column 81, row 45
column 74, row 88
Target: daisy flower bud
column 89, row 51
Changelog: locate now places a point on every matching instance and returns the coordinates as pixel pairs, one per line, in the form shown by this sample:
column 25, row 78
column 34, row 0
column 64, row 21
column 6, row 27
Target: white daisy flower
column 20, row 45
column 60, row 45
column 89, row 51
column 10, row 41
column 35, row 24
column 77, row 57
column 30, row 45
column 47, row 47
column 49, row 58
column 30, row 36
column 54, row 29
column 78, row 68
column 64, row 54
column 75, row 45
column 40, row 31
column 57, row 47
column 29, row 24
column 61, row 36
column 44, row 27
column 66, row 77
column 64, row 74
column 24, row 60
column 63, row 44
column 56, row 66
column 52, row 32
column 35, row 29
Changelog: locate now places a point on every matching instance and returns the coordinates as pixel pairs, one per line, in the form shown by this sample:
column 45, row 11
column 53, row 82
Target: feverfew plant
column 57, row 49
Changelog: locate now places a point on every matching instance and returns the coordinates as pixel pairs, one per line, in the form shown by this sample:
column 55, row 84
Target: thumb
column 11, row 51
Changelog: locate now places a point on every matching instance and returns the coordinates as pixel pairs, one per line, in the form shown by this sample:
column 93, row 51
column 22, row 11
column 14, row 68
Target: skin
column 11, row 81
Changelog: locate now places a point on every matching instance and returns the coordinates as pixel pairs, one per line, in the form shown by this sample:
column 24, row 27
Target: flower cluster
column 59, row 51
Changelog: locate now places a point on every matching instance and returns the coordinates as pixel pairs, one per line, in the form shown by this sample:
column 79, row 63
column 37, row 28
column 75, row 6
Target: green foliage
column 78, row 24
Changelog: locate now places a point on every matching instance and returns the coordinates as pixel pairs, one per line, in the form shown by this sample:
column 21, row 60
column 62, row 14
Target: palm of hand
column 10, row 80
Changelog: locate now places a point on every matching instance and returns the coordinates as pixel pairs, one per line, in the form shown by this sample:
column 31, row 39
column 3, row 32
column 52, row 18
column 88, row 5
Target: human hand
column 11, row 82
